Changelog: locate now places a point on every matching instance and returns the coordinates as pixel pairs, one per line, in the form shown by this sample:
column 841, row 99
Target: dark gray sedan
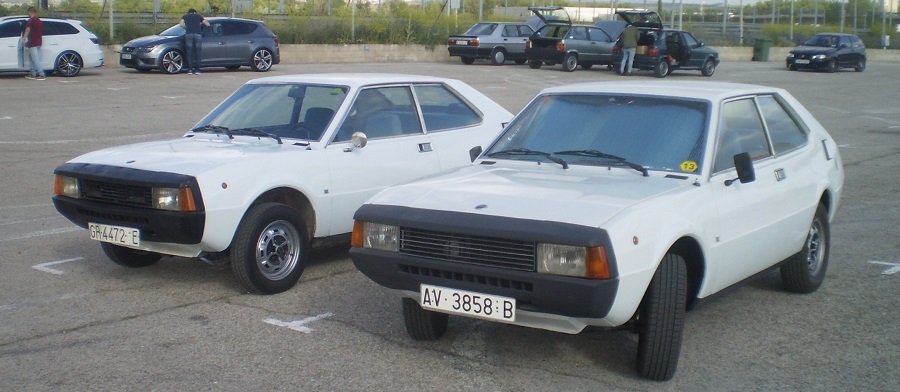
column 227, row 42
column 561, row 42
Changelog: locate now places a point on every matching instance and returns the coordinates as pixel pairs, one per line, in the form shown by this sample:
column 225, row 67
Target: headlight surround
column 377, row 236
column 173, row 199
column 67, row 186
column 568, row 260
column 790, row 55
column 819, row 57
column 146, row 49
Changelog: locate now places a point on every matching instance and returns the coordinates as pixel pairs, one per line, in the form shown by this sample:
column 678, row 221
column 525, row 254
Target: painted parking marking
column 174, row 97
column 298, row 325
column 117, row 88
column 6, row 118
column 895, row 267
column 46, row 266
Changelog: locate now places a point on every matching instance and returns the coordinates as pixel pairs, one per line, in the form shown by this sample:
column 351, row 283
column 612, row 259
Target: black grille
column 465, row 277
column 121, row 194
column 460, row 248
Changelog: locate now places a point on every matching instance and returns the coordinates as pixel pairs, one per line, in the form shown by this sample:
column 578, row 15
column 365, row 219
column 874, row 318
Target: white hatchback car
column 611, row 204
column 68, row 46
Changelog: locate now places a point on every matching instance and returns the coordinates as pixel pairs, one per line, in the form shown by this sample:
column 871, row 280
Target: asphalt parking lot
column 72, row 320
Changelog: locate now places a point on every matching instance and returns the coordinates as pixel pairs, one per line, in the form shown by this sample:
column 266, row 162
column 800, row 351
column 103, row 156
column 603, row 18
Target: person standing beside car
column 193, row 23
column 630, row 37
column 33, row 37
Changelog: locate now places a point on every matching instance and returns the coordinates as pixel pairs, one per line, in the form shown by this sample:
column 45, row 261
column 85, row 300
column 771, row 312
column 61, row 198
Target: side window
column 578, row 33
column 784, row 131
column 381, row 112
column 234, row 28
column 50, row 28
column 12, row 29
column 215, row 29
column 510, row 31
column 845, row 40
column 740, row 130
column 525, row 31
column 599, row 35
column 443, row 110
column 689, row 40
column 58, row 28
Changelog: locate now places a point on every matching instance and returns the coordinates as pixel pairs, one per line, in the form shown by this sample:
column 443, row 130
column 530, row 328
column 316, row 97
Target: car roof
column 710, row 91
column 350, row 79
column 836, row 34
column 215, row 18
column 14, row 17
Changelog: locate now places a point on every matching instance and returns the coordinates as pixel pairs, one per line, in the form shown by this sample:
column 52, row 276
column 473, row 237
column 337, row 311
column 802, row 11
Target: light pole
column 792, row 21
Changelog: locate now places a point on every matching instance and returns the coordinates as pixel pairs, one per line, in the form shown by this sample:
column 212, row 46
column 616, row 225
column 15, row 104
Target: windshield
column 174, row 31
column 828, row 41
column 665, row 134
column 481, row 29
column 289, row 110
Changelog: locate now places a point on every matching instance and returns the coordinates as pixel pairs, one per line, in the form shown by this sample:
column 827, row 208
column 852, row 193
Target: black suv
column 663, row 50
column 829, row 51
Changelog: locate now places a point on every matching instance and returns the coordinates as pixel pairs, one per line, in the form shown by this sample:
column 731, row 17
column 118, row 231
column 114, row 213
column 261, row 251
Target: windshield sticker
column 336, row 91
column 688, row 166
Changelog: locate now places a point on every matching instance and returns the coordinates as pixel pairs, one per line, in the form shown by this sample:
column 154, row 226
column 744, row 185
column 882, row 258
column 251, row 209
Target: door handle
column 780, row 175
column 425, row 147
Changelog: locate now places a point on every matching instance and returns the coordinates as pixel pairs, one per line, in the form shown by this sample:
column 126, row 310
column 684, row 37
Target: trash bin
column 761, row 49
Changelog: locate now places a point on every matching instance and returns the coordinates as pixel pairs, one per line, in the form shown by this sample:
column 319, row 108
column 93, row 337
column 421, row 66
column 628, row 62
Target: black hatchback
column 829, row 52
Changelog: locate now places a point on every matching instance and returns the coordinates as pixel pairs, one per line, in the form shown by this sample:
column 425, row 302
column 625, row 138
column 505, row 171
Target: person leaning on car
column 32, row 38
column 630, row 37
column 193, row 23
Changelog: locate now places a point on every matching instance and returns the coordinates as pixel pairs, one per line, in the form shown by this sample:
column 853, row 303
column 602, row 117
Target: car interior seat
column 315, row 120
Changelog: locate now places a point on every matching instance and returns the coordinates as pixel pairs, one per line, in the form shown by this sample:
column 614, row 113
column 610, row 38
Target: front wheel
column 269, row 249
column 709, row 68
column 805, row 271
column 570, row 62
column 832, row 66
column 661, row 69
column 661, row 320
column 127, row 257
column 171, row 62
column 262, row 60
column 68, row 64
column 423, row 324
column 498, row 57
column 861, row 65
column 533, row 64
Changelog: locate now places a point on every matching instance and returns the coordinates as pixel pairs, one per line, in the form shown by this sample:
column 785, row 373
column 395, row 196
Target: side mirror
column 744, row 166
column 474, row 153
column 359, row 139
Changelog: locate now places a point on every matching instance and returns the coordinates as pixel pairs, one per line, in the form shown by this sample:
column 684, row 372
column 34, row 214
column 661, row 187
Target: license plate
column 125, row 236
column 462, row 42
column 801, row 61
column 467, row 303
column 126, row 56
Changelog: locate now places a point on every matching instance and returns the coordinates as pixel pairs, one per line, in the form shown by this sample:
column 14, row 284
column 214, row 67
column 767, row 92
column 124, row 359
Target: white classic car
column 279, row 166
column 608, row 204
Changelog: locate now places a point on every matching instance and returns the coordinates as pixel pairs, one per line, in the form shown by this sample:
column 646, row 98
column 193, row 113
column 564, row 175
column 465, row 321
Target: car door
column 577, row 40
column 845, row 54
column 693, row 53
column 513, row 41
column 58, row 38
column 453, row 125
column 397, row 150
column 214, row 47
column 237, row 41
column 764, row 221
column 11, row 55
column 601, row 45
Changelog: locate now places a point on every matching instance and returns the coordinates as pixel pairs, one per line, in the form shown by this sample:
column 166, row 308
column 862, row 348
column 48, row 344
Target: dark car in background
column 829, row 52
column 663, row 50
column 561, row 42
column 496, row 41
column 227, row 42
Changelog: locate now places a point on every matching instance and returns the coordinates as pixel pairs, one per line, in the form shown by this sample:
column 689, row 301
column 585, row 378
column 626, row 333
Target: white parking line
column 298, row 325
column 46, row 266
column 6, row 118
column 40, row 233
column 895, row 267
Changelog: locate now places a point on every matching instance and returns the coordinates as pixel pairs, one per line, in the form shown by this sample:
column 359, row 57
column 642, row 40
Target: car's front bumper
column 808, row 63
column 143, row 60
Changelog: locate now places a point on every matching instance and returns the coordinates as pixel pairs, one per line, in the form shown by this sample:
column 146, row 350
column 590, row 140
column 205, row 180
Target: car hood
column 589, row 197
column 151, row 40
column 811, row 50
column 189, row 156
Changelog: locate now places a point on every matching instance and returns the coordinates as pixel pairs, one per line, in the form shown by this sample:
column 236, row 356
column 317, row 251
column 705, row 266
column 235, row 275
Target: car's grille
column 121, row 194
column 464, row 277
column 113, row 217
column 487, row 251
column 128, row 49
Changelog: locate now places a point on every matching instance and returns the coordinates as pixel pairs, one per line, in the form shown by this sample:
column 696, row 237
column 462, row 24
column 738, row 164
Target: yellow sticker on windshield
column 688, row 166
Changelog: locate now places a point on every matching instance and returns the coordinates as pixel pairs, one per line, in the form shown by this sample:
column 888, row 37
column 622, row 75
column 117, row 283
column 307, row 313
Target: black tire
column 832, row 66
column 232, row 67
column 860, row 65
column 467, row 60
column 534, row 64
column 661, row 320
column 520, row 61
column 792, row 67
column 171, row 62
column 127, row 257
column 661, row 69
column 709, row 68
column 570, row 62
column 281, row 234
column 587, row 66
column 143, row 70
column 423, row 324
column 68, row 64
column 262, row 60
column 805, row 271
column 498, row 56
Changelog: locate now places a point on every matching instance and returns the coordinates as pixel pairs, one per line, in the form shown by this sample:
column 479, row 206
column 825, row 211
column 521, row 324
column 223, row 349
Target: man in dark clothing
column 193, row 23
column 630, row 38
column 33, row 37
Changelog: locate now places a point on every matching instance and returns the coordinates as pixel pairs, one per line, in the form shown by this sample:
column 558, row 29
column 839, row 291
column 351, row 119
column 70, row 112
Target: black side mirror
column 474, row 153
column 744, row 166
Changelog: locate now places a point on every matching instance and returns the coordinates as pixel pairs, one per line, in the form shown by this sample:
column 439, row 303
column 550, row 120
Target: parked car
column 279, row 167
column 561, row 42
column 68, row 46
column 496, row 41
column 612, row 205
column 227, row 42
column 828, row 52
column 664, row 51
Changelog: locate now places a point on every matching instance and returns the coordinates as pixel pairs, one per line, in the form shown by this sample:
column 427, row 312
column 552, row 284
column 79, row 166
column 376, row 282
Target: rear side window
column 525, row 31
column 510, row 31
column 599, row 35
column 578, row 33
column 381, row 112
column 443, row 110
column 784, row 131
column 740, row 130
column 12, row 29
column 235, row 28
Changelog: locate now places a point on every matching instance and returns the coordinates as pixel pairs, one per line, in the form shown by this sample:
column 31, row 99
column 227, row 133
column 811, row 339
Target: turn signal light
column 597, row 264
column 359, row 231
column 653, row 52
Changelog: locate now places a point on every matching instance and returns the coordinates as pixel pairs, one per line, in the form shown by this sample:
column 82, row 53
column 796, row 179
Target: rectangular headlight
column 67, row 186
column 584, row 262
column 173, row 199
column 376, row 236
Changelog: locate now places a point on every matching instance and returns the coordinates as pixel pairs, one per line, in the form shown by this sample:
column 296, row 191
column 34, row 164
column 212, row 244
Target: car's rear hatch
column 646, row 19
column 555, row 24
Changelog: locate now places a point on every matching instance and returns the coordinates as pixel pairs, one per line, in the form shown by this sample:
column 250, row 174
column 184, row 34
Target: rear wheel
column 805, row 271
column 262, row 60
column 68, row 64
column 467, row 60
column 709, row 68
column 570, row 62
column 171, row 62
column 498, row 57
column 661, row 320
column 127, row 257
column 423, row 324
column 268, row 252
column 661, row 69
column 534, row 64
column 861, row 65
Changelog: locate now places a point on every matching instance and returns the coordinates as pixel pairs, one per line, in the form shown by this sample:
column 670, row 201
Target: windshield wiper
column 217, row 129
column 256, row 132
column 525, row 151
column 598, row 154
